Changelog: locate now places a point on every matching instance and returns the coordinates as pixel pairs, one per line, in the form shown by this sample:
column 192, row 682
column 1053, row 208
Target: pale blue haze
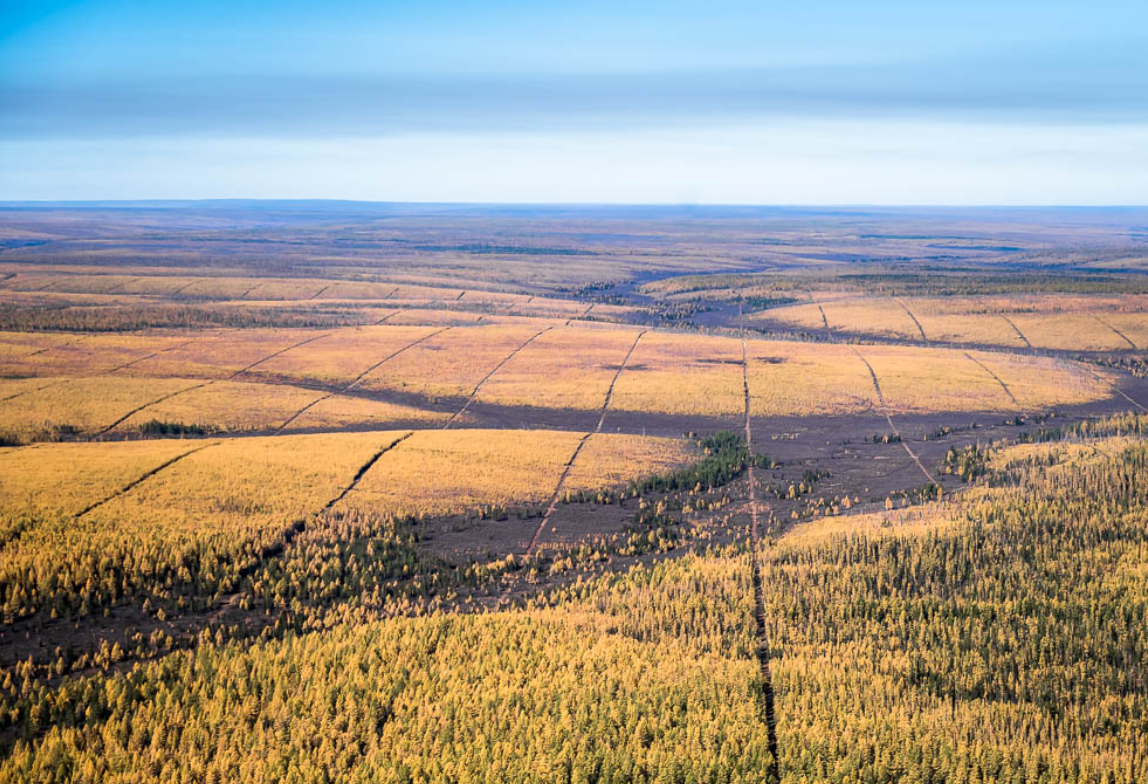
column 728, row 102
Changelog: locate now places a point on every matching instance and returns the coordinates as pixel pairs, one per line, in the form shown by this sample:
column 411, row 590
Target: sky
column 745, row 102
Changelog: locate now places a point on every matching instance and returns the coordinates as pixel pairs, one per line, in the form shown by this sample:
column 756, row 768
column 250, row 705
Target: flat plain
column 394, row 493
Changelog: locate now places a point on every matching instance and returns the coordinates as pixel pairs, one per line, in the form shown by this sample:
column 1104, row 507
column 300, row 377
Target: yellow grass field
column 1052, row 322
column 340, row 356
column 449, row 472
column 683, row 374
column 795, row 379
column 87, row 404
column 451, row 364
column 50, row 480
column 570, row 367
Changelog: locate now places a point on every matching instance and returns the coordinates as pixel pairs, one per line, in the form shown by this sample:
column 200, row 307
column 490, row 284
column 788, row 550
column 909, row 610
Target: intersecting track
column 141, row 478
column 478, row 386
column 581, row 443
column 203, row 384
column 355, row 382
column 767, row 693
column 996, row 378
column 889, row 419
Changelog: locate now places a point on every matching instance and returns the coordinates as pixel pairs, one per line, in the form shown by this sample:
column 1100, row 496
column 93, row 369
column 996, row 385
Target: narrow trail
column 550, row 507
column 289, row 534
column 393, row 293
column 587, row 313
column 915, row 321
column 824, row 318
column 355, row 382
column 7, row 277
column 889, row 419
column 383, row 320
column 150, row 356
column 244, row 294
column 1119, row 334
column 147, row 405
column 1112, row 385
column 185, row 287
column 1016, row 329
column 201, row 385
column 996, row 378
column 319, row 292
column 484, row 379
column 121, row 284
column 140, row 479
column 33, row 391
column 38, row 352
column 763, row 654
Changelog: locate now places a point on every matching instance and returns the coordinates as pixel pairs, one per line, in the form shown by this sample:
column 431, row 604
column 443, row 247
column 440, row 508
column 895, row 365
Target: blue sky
column 977, row 102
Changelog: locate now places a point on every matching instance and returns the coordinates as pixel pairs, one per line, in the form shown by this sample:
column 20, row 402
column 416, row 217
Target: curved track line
column 763, row 654
column 136, row 482
column 889, row 419
column 581, row 443
column 996, row 378
column 478, row 386
column 357, row 379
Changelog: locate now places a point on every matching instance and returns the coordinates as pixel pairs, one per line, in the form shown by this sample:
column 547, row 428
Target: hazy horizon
column 1033, row 104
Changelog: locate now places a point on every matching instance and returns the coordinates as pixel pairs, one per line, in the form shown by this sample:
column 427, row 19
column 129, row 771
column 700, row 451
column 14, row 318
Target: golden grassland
column 566, row 367
column 340, row 356
column 87, row 404
column 614, row 460
column 915, row 380
column 452, row 363
column 229, row 498
column 909, row 521
column 62, row 479
column 344, row 411
column 1046, row 321
column 683, row 374
column 796, row 379
column 90, row 354
column 918, row 380
column 569, row 367
column 1044, row 382
column 215, row 507
column 218, row 354
column 228, row 406
column 453, row 471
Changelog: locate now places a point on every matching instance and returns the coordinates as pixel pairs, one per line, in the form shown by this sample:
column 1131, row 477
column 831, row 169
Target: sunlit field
column 563, row 497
